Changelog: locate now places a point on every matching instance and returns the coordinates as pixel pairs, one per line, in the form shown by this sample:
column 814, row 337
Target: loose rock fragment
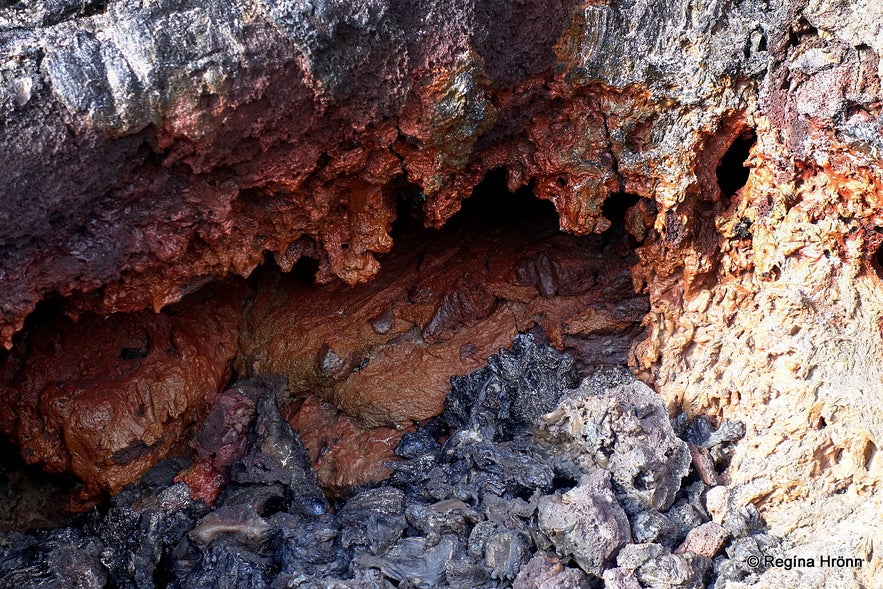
column 241, row 520
column 586, row 523
column 706, row 540
column 413, row 560
column 655, row 527
column 704, row 465
column 245, row 439
column 142, row 529
column 505, row 552
column 627, row 432
column 509, row 395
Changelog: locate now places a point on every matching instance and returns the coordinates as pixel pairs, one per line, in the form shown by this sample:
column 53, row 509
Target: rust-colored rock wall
column 384, row 352
column 107, row 398
column 343, row 451
column 192, row 138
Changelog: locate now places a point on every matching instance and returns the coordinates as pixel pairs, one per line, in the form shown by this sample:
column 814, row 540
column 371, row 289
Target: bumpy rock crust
column 385, row 351
column 187, row 139
column 107, row 398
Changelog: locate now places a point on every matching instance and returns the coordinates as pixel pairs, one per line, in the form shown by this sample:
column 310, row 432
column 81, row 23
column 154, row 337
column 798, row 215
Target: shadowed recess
column 732, row 173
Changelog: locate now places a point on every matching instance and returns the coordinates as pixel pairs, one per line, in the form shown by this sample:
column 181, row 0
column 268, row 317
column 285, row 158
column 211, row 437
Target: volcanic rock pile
column 149, row 148
column 107, row 397
column 530, row 479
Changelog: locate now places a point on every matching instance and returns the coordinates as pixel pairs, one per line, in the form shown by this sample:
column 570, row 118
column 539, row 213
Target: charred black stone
column 55, row 559
column 141, row 531
column 527, row 480
column 509, row 395
column 277, row 456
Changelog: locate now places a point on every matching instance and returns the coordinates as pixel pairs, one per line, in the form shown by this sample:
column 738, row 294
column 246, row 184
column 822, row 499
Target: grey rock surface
column 625, row 430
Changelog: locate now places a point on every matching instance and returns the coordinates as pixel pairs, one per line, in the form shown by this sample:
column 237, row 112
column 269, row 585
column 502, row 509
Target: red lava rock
column 384, row 351
column 106, row 398
column 233, row 422
column 220, row 441
column 705, row 540
column 704, row 464
column 343, row 452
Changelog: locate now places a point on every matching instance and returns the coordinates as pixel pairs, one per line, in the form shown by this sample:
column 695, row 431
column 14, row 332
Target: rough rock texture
column 477, row 501
column 173, row 142
column 626, row 431
column 107, row 398
column 586, row 522
column 776, row 322
column 192, row 138
column 344, row 453
column 440, row 305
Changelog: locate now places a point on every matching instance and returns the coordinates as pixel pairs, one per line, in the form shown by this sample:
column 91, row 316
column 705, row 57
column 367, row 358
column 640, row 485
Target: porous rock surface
column 476, row 501
column 168, row 143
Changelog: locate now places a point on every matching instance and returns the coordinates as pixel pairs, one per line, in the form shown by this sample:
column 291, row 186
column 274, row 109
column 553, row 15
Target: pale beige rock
column 717, row 501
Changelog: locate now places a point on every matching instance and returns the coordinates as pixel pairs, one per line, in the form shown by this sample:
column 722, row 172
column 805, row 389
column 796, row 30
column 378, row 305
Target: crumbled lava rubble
column 529, row 479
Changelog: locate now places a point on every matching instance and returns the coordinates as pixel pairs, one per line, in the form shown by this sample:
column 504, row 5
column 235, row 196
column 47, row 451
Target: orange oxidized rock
column 384, row 351
column 344, row 453
column 106, row 398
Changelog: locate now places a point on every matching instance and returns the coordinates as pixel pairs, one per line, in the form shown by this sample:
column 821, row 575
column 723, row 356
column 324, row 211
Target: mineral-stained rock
column 344, row 453
column 626, row 431
column 195, row 138
column 106, row 398
column 706, row 540
column 148, row 147
column 438, row 307
column 246, row 440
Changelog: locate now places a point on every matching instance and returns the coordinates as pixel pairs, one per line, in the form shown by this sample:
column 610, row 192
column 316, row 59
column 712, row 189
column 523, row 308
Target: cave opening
column 492, row 201
column 732, row 172
column 358, row 359
column 417, row 397
column 616, row 206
